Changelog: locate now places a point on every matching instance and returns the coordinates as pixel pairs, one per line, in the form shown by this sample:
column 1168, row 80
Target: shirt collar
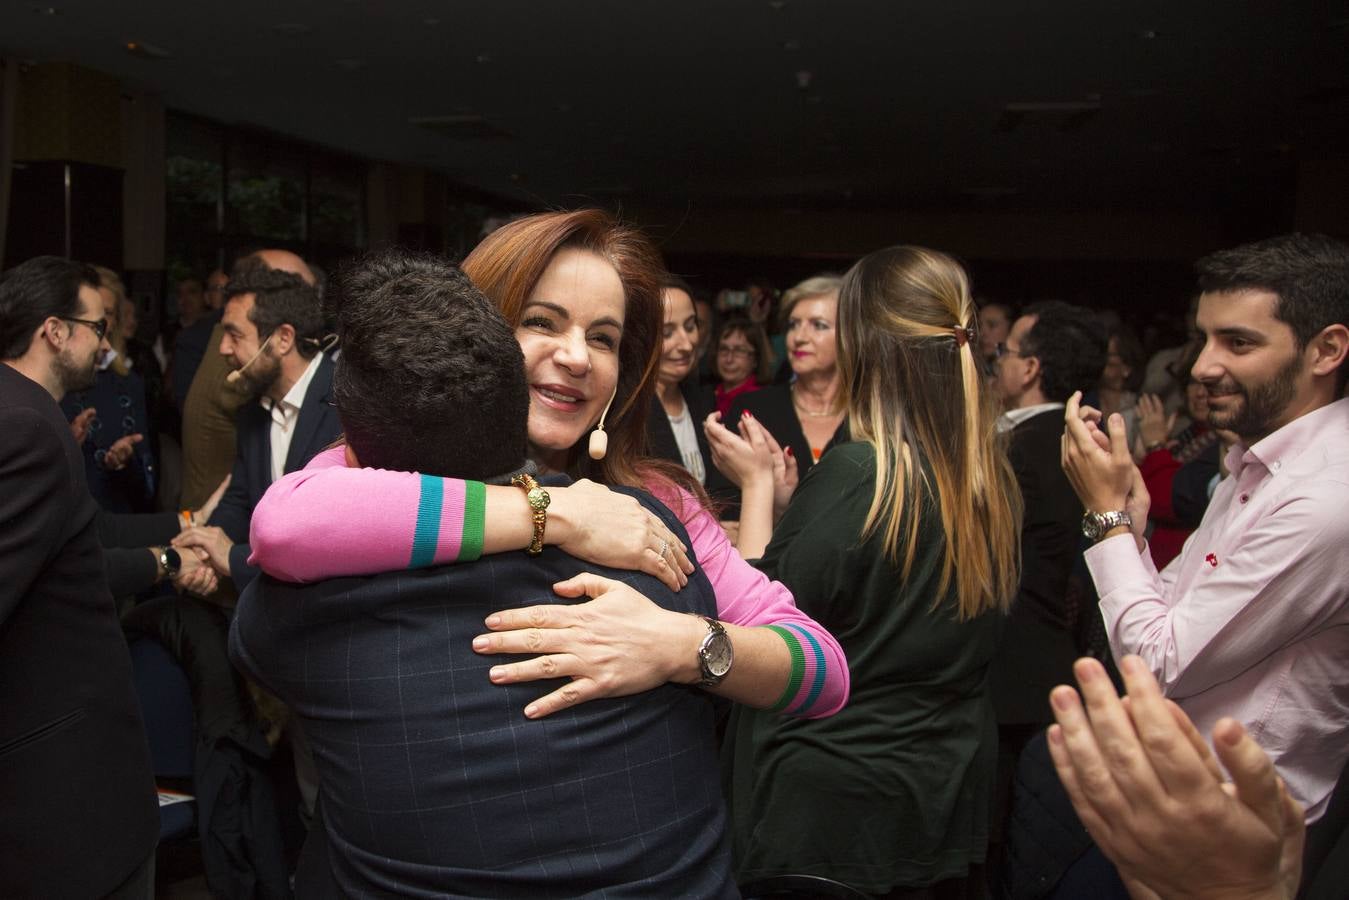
column 1014, row 417
column 1283, row 446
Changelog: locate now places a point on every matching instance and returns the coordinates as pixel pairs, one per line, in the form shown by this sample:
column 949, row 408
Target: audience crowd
column 553, row 573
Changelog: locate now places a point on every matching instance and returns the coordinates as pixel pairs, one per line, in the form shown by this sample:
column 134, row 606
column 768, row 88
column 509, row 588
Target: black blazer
column 77, row 803
column 772, row 406
column 660, row 436
column 432, row 780
column 1038, row 648
column 316, row 427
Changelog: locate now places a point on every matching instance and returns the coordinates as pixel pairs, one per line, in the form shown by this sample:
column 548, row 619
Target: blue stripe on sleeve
column 427, row 535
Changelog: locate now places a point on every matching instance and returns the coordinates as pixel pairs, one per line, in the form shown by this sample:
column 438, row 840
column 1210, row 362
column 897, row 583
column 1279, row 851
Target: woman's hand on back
column 601, row 526
column 616, row 644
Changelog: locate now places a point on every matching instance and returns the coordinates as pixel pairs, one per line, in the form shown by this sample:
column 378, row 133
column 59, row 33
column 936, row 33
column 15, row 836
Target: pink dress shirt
column 1252, row 619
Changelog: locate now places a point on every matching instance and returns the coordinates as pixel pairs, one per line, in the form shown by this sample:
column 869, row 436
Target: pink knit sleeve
column 819, row 683
column 328, row 520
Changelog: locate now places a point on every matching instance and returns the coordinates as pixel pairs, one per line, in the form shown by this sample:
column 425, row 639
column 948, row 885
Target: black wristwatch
column 715, row 654
column 170, row 562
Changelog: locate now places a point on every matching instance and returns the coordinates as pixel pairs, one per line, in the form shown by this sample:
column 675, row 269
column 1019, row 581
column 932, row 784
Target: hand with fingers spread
column 1100, row 468
column 1147, row 788
column 592, row 523
column 120, row 453
column 79, row 426
column 1154, row 425
column 618, row 643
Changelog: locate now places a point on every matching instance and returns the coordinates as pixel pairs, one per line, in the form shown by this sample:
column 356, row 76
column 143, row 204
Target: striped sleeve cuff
column 450, row 521
column 809, row 669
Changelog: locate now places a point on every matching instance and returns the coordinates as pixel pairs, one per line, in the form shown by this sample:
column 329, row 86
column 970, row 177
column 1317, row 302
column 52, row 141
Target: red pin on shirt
column 1212, row 560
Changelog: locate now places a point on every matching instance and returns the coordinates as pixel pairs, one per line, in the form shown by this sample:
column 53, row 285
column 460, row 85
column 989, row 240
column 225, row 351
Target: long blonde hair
column 914, row 391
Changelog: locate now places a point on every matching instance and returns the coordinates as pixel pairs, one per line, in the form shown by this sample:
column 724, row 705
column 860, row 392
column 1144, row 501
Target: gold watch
column 538, row 502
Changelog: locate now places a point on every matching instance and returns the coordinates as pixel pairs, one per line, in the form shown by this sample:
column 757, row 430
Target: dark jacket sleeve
column 136, row 529
column 130, row 570
column 236, row 505
column 240, row 571
column 34, row 501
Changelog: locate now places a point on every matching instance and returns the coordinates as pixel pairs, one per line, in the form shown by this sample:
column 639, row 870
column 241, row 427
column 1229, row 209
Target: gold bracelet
column 538, row 503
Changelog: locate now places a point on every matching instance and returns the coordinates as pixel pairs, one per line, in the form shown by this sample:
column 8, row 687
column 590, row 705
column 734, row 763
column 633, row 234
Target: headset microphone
column 599, row 441
column 239, row 372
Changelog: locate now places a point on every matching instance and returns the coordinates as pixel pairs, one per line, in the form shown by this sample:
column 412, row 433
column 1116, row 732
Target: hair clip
column 963, row 335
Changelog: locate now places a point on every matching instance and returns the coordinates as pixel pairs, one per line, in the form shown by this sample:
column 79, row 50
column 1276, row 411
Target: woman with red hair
column 583, row 293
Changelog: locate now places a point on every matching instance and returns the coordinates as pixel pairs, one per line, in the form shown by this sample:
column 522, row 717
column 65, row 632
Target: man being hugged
column 1249, row 620
column 431, row 780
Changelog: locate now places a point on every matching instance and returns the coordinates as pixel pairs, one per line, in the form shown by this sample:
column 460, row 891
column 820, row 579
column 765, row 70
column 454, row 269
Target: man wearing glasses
column 1051, row 351
column 76, row 788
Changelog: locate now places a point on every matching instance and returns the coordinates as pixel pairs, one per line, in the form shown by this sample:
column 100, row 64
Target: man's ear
column 352, row 461
column 1031, row 375
column 283, row 338
column 1328, row 349
column 50, row 331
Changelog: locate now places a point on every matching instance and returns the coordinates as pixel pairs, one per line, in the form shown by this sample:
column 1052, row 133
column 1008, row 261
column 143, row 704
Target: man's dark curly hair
column 1309, row 273
column 279, row 298
column 1070, row 344
column 431, row 378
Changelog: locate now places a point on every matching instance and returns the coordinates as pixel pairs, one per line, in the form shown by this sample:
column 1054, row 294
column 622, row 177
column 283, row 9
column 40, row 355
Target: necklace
column 801, row 408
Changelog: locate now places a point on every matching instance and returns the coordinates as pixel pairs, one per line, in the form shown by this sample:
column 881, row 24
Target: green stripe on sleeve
column 475, row 520
column 798, row 668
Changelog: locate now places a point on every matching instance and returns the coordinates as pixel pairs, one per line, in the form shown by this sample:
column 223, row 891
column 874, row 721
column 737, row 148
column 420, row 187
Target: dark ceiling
column 759, row 103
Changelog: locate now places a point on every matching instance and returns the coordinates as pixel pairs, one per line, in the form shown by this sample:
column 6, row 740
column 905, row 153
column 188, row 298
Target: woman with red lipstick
column 675, row 426
column 583, row 294
column 803, row 416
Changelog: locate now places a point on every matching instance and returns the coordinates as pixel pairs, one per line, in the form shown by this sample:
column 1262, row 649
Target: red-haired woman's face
column 570, row 329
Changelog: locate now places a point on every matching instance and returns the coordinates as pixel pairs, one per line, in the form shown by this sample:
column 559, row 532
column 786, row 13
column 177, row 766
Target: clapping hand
column 1146, row 787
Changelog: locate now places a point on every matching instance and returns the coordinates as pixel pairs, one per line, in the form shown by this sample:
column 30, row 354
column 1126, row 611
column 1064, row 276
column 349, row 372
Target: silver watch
column 715, row 654
column 1095, row 525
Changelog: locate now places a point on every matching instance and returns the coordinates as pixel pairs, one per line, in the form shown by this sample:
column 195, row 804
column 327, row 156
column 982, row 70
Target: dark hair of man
column 34, row 291
column 1070, row 345
column 1308, row 273
column 431, row 378
column 279, row 298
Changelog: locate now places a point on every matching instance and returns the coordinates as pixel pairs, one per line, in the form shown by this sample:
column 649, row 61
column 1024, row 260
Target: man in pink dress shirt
column 1250, row 620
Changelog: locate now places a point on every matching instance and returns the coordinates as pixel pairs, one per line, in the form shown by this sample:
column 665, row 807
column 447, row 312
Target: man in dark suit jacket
column 273, row 331
column 1051, row 351
column 78, row 816
column 432, row 780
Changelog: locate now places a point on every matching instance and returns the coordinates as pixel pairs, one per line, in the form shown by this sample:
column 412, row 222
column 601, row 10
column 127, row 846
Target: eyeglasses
column 1001, row 349
column 100, row 327
column 741, row 352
